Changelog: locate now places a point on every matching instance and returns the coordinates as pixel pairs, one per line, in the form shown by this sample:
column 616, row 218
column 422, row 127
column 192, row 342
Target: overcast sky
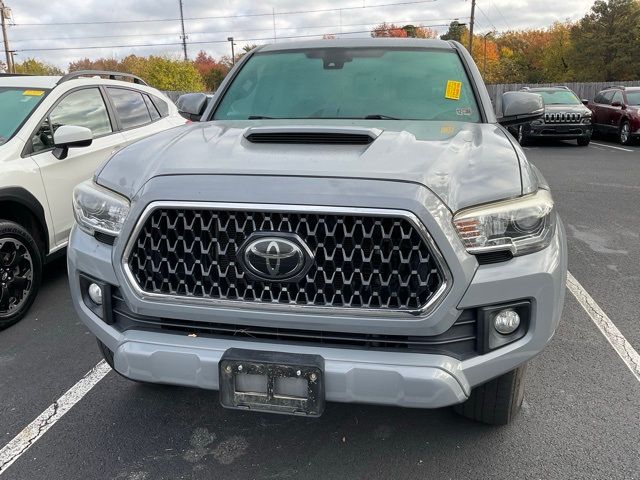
column 247, row 21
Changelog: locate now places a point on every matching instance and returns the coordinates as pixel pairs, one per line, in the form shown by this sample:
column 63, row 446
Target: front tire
column 624, row 134
column 496, row 402
column 584, row 141
column 20, row 272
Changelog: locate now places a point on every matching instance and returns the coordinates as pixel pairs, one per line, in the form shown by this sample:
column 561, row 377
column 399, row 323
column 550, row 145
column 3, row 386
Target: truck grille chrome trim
column 562, row 118
column 378, row 262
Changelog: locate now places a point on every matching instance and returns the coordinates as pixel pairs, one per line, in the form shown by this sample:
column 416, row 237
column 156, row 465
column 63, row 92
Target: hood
column 463, row 163
column 580, row 108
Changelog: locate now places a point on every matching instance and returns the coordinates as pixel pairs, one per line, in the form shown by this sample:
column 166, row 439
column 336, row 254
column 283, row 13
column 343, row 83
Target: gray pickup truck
column 348, row 222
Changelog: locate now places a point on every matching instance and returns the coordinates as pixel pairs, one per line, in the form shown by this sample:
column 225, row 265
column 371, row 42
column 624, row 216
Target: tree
column 455, row 32
column 108, row 64
column 605, row 42
column 388, row 30
column 419, row 32
column 165, row 73
column 31, row 66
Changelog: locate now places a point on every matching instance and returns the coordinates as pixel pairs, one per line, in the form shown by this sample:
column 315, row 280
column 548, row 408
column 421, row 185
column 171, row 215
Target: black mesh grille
column 359, row 261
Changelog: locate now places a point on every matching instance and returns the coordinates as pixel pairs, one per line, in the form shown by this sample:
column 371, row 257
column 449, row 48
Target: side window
column 153, row 111
column 162, row 106
column 82, row 108
column 607, row 97
column 618, row 98
column 130, row 107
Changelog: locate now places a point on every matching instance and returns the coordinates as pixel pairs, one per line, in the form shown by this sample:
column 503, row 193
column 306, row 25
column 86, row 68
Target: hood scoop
column 310, row 135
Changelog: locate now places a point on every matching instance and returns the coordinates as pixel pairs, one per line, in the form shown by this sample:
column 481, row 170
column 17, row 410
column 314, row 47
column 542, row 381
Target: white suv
column 54, row 133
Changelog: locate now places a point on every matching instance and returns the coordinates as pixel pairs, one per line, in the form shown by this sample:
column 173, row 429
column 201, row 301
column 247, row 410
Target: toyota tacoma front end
column 348, row 223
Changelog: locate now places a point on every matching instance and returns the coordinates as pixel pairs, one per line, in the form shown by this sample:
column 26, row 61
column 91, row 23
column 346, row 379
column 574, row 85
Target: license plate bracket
column 276, row 382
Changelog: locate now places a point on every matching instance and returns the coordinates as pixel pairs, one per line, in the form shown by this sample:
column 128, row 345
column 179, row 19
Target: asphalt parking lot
column 580, row 419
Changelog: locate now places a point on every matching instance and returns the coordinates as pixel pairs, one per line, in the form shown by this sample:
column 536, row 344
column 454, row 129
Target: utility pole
column 471, row 22
column 233, row 55
column 7, row 50
column 184, row 35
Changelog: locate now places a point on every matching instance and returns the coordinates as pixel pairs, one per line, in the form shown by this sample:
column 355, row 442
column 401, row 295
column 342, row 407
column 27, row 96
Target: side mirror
column 616, row 104
column 585, row 101
column 521, row 107
column 192, row 105
column 70, row 136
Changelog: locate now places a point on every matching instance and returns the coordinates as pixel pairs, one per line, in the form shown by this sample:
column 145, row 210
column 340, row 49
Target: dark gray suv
column 565, row 118
column 349, row 222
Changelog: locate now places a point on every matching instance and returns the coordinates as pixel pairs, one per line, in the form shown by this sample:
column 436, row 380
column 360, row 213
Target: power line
column 485, row 16
column 97, row 47
column 296, row 12
column 305, row 27
column 501, row 15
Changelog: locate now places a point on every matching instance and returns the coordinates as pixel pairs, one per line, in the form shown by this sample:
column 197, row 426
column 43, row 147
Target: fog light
column 506, row 321
column 95, row 294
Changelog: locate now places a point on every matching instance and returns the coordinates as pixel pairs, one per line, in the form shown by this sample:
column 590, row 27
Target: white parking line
column 612, row 146
column 620, row 344
column 36, row 429
column 32, row 432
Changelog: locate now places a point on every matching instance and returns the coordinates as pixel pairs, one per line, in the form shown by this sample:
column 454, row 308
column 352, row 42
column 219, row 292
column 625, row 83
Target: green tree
column 605, row 42
column 455, row 32
column 31, row 66
column 167, row 74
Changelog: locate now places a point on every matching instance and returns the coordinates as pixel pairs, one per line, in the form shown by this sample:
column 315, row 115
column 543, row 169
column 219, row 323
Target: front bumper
column 561, row 131
column 400, row 378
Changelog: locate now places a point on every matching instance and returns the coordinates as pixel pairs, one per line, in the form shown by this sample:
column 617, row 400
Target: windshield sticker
column 463, row 111
column 453, row 90
column 33, row 93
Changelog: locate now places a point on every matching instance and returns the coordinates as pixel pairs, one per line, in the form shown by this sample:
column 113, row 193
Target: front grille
column 359, row 261
column 562, row 117
column 460, row 341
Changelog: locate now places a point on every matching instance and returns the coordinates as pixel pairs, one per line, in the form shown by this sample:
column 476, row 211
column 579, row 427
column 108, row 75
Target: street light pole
column 233, row 55
column 7, row 50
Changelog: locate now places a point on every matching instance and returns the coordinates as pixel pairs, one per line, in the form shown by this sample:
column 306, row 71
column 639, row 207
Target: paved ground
column 580, row 419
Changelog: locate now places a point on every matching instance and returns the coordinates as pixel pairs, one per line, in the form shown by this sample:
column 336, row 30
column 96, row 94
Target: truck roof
column 359, row 42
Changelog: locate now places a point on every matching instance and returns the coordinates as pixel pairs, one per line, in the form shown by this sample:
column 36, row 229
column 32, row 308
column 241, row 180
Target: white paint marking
column 32, row 432
column 620, row 344
column 611, row 146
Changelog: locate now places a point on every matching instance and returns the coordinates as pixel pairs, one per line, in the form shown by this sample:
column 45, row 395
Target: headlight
column 99, row 210
column 586, row 119
column 523, row 225
column 537, row 122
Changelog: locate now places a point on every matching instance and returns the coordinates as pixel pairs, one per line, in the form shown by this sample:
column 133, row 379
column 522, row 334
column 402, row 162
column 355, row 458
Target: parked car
column 54, row 133
column 349, row 222
column 616, row 111
column 565, row 118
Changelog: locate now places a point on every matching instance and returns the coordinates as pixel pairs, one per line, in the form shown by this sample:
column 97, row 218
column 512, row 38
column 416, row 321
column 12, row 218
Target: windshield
column 357, row 83
column 558, row 97
column 16, row 104
column 633, row 98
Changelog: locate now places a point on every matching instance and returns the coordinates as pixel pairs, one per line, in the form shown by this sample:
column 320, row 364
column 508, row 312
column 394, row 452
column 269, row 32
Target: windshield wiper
column 378, row 116
column 260, row 117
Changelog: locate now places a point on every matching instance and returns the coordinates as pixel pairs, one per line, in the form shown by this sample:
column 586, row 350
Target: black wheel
column 624, row 134
column 584, row 141
column 496, row 402
column 20, row 272
column 522, row 137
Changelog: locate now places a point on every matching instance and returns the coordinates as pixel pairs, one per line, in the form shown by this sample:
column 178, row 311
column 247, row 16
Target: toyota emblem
column 275, row 257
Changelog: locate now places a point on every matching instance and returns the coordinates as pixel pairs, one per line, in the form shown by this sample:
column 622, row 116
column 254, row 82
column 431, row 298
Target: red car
column 616, row 110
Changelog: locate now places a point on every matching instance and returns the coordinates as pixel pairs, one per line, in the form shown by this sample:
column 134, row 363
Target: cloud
column 257, row 26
